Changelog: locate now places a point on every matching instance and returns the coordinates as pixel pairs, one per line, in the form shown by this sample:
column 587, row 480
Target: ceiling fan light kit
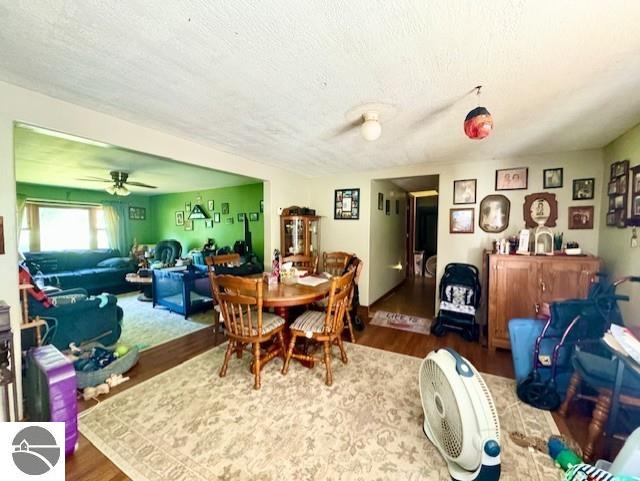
column 371, row 127
column 118, row 181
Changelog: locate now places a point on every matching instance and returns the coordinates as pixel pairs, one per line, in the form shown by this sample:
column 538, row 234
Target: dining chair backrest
column 338, row 302
column 240, row 300
column 308, row 263
column 223, row 260
column 335, row 262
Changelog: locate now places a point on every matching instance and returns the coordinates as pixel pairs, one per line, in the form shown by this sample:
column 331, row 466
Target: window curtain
column 21, row 203
column 117, row 226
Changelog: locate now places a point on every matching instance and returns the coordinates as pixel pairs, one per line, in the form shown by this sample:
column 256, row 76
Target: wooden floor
column 415, row 297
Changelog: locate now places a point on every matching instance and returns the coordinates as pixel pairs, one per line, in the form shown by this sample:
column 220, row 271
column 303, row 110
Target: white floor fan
column 460, row 418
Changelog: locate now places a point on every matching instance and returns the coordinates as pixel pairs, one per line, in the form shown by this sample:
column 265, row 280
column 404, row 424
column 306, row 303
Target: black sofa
column 95, row 270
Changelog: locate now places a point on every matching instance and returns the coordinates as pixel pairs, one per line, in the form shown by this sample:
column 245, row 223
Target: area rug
column 403, row 322
column 147, row 326
column 189, row 424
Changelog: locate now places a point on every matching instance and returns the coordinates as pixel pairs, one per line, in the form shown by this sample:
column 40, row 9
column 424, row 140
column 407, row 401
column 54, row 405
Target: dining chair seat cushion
column 270, row 322
column 310, row 322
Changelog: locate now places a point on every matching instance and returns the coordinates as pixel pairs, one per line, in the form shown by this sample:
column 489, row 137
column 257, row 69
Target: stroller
column 459, row 300
column 573, row 323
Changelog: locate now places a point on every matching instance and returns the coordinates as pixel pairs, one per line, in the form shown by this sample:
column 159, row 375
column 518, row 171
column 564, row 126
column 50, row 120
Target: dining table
column 284, row 298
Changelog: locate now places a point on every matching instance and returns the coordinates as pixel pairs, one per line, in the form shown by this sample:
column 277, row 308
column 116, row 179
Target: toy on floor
column 116, row 379
column 586, row 472
column 564, row 457
column 94, row 392
column 121, row 350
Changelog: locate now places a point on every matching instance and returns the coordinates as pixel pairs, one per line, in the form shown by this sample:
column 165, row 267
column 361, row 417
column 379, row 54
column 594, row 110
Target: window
column 50, row 227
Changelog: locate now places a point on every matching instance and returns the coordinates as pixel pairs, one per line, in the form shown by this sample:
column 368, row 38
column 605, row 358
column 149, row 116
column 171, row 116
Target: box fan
column 460, row 418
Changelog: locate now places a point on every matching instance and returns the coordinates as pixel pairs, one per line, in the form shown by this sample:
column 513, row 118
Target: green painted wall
column 620, row 259
column 141, row 230
column 245, row 198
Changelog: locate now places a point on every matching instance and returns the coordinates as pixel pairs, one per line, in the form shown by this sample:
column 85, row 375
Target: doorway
column 416, row 295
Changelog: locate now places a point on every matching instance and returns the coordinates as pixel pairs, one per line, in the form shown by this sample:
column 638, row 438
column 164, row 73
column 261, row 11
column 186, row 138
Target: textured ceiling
column 274, row 80
column 52, row 160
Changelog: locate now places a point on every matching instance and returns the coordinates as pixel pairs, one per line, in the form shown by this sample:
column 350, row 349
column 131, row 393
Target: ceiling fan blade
column 344, row 129
column 140, row 184
column 94, row 179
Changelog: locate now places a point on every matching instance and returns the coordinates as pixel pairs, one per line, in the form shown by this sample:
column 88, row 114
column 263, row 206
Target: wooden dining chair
column 335, row 263
column 357, row 266
column 308, row 263
column 229, row 260
column 323, row 327
column 240, row 300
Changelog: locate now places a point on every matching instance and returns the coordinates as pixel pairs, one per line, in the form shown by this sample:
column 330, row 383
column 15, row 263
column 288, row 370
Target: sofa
column 95, row 270
column 78, row 318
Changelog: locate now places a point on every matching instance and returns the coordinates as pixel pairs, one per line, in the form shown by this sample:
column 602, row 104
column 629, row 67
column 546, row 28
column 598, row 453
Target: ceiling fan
column 118, row 183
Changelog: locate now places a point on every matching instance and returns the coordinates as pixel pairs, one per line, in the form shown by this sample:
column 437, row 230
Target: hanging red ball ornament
column 478, row 123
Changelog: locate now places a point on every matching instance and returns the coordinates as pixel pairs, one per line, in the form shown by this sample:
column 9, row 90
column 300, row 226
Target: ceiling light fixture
column 371, row 127
column 478, row 123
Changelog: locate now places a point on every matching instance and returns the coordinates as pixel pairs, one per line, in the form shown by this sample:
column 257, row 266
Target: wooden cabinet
column 299, row 234
column 519, row 285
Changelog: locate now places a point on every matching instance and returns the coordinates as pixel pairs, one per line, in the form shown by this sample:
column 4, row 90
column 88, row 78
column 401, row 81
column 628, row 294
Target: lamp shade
column 478, row 124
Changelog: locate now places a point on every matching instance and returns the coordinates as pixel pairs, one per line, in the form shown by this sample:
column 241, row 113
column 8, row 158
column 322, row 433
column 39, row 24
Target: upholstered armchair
column 167, row 251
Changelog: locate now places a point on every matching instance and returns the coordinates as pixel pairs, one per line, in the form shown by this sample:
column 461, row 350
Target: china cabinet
column 299, row 234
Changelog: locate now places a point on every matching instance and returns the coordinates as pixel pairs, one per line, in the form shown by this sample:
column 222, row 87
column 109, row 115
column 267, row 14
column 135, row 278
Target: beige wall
column 615, row 244
column 281, row 188
column 387, row 240
column 354, row 235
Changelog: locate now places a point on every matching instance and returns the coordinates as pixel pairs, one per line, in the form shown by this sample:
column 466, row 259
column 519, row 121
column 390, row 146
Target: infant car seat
column 459, row 299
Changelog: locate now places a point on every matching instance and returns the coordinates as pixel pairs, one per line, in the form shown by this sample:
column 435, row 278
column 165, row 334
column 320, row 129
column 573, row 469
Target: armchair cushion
column 167, row 251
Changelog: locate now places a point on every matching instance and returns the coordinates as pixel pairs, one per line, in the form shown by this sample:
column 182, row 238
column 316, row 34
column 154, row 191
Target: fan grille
column 441, row 408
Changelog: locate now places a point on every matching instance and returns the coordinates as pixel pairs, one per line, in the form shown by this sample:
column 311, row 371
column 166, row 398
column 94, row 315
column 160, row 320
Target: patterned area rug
column 147, row 326
column 189, row 424
column 402, row 322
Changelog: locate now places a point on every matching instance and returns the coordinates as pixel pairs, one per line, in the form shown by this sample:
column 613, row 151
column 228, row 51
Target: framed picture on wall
column 240, row 216
column 210, row 205
column 461, row 221
column 380, row 201
column 208, row 224
column 581, row 217
column 346, row 204
column 584, row 189
column 464, row 191
column 228, row 220
column 179, row 218
column 253, row 217
column 216, row 217
column 397, row 206
column 387, row 207
column 261, row 206
column 225, row 208
column 512, row 179
column 188, row 224
column 494, row 213
column 137, row 213
column 552, row 178
column 187, row 207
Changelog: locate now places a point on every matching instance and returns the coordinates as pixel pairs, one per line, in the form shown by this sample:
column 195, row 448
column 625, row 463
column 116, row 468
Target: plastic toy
column 563, row 457
column 586, row 472
column 121, row 350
